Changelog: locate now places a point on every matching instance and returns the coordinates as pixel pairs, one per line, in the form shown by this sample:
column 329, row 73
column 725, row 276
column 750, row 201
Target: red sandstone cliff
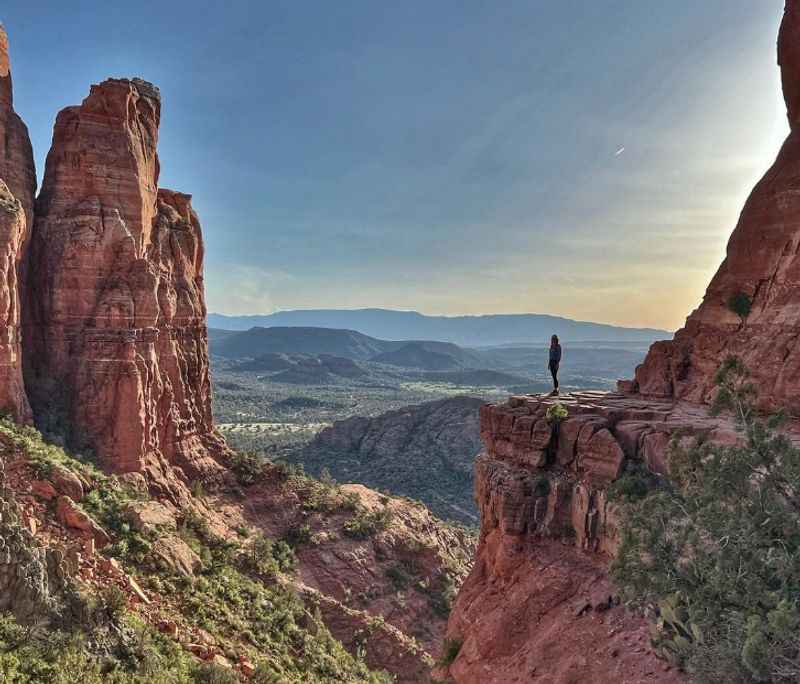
column 115, row 334
column 538, row 602
column 17, row 189
column 762, row 262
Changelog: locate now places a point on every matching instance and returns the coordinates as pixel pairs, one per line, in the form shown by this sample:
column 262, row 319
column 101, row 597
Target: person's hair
column 554, row 339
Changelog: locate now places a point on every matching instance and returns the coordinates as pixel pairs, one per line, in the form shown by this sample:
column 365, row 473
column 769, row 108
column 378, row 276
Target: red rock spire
column 17, row 188
column 117, row 334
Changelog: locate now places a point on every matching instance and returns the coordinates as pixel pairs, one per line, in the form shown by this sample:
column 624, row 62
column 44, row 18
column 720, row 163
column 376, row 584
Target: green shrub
column 211, row 673
column 634, row 484
column 450, row 651
column 740, row 304
column 197, row 489
column 267, row 557
column 556, row 413
column 400, row 577
column 716, row 553
column 365, row 523
column 298, row 535
column 114, row 602
column 247, row 466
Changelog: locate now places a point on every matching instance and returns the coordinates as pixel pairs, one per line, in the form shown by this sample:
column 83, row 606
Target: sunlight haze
column 581, row 159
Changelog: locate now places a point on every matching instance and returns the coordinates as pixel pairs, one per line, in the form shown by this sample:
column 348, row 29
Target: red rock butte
column 115, row 320
column 763, row 264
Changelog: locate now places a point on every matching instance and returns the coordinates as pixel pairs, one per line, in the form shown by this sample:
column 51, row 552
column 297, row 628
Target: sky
column 584, row 159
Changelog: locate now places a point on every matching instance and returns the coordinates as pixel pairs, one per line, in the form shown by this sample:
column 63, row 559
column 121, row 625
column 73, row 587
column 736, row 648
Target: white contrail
column 619, row 151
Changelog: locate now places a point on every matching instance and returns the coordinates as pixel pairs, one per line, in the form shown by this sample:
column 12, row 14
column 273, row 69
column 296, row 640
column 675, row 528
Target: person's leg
column 553, row 370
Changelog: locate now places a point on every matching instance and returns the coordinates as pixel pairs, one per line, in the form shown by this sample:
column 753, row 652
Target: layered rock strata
column 538, row 478
column 762, row 268
column 115, row 330
column 17, row 189
column 548, row 531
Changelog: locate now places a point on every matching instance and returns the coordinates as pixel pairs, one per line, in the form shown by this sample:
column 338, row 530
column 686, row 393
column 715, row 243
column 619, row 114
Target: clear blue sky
column 449, row 156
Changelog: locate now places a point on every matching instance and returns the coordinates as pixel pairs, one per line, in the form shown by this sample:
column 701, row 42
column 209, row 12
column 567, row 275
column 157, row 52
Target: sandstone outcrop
column 762, row 267
column 548, row 530
column 115, row 333
column 17, row 189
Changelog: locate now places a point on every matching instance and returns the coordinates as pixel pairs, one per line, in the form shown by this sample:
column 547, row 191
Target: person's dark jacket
column 555, row 354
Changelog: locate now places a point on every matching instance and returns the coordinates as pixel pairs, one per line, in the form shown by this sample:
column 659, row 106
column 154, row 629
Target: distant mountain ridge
column 266, row 345
column 474, row 331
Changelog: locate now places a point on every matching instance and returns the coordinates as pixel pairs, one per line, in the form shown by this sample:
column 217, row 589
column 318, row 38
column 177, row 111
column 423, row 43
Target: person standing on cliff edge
column 555, row 360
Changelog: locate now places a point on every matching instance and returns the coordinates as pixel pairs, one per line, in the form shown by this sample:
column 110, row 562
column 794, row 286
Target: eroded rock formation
column 763, row 266
column 115, row 333
column 17, row 189
column 548, row 530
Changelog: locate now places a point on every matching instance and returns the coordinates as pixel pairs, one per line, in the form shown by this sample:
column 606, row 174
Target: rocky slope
column 762, row 268
column 17, row 189
column 115, row 336
column 303, row 581
column 366, row 560
column 424, row 451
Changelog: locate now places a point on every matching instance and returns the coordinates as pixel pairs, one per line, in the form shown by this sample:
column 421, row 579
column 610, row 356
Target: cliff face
column 117, row 358
column 538, row 600
column 762, row 263
column 17, row 189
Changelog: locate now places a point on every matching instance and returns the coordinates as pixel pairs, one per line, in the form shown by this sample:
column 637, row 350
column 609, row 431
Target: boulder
column 71, row 515
column 44, row 489
column 148, row 516
column 67, row 482
column 176, row 555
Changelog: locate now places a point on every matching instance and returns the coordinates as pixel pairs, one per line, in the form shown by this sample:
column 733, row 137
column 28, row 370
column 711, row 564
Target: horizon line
column 420, row 313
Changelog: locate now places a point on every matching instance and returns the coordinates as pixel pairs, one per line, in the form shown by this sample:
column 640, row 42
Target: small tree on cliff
column 717, row 552
column 741, row 305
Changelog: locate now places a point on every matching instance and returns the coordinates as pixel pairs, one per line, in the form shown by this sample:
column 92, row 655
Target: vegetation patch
column 238, row 597
column 636, row 482
column 450, row 651
column 366, row 523
column 716, row 553
column 556, row 413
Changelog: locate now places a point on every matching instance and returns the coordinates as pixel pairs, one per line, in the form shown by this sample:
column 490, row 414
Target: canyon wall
column 115, row 337
column 762, row 266
column 17, row 190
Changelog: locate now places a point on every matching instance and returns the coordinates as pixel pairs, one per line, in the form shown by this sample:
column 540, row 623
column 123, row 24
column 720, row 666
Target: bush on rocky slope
column 717, row 551
column 238, row 598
